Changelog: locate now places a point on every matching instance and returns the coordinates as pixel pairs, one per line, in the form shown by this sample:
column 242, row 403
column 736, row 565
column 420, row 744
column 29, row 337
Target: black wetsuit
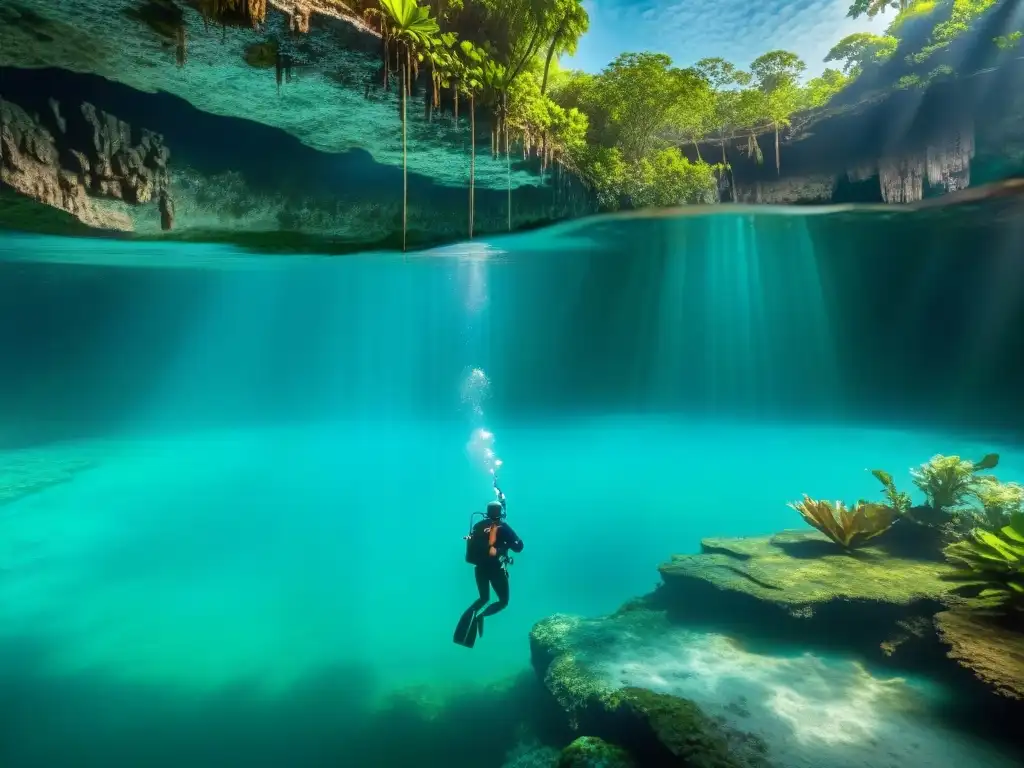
column 492, row 574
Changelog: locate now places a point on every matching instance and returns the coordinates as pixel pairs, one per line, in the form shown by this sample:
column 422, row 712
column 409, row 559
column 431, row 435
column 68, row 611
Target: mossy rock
column 569, row 655
column 991, row 646
column 684, row 735
column 805, row 568
column 592, row 752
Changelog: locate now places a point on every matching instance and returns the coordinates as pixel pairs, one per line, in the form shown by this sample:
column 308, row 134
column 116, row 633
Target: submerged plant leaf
column 988, row 461
column 898, row 500
column 999, row 501
column 847, row 527
column 992, row 563
column 947, row 480
column 882, row 476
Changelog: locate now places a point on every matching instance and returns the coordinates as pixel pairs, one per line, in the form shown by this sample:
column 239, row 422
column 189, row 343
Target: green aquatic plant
column 847, row 527
column 898, row 500
column 947, row 481
column 991, row 564
column 999, row 501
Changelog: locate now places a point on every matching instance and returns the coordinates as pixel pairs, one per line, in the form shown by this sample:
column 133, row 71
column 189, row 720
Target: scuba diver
column 487, row 548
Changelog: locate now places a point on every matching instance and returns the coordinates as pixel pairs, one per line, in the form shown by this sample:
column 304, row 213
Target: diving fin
column 467, row 629
column 480, row 625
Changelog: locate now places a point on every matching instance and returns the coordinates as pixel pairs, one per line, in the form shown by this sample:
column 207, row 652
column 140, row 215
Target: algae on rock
column 986, row 645
column 571, row 655
column 592, row 752
column 795, row 568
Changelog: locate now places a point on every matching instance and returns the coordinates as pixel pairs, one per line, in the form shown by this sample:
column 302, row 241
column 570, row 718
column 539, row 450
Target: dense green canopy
column 623, row 130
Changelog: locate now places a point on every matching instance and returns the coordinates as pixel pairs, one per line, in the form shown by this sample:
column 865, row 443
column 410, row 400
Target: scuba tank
column 482, row 535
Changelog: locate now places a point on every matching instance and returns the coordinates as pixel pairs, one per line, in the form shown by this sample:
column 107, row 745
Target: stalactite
column 902, row 179
column 949, row 165
column 298, row 20
column 181, row 46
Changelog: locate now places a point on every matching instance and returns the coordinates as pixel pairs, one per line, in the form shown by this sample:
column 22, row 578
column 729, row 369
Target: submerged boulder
column 805, row 568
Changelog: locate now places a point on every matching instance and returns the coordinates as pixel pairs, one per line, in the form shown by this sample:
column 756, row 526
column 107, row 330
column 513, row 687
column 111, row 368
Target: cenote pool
column 235, row 486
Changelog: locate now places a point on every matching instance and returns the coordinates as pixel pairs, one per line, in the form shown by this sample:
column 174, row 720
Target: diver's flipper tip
column 467, row 629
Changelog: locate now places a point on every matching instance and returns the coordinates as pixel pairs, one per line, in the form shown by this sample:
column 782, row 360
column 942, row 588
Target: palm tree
column 443, row 69
column 571, row 21
column 471, row 81
column 409, row 25
column 497, row 78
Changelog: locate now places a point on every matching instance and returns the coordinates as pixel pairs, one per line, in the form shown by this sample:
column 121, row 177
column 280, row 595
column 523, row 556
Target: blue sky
column 737, row 30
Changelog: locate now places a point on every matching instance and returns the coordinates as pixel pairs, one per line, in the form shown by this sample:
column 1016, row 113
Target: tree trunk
column 472, row 159
column 428, row 103
column 508, row 157
column 405, row 170
column 697, row 147
column 731, row 175
column 547, row 61
column 778, row 164
column 455, row 95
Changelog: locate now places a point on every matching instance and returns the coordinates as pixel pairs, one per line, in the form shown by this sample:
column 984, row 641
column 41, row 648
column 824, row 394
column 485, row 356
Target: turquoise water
column 283, row 461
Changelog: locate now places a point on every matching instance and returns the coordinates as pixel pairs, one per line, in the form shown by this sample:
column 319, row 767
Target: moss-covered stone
column 555, row 647
column 804, row 568
column 687, row 734
column 592, row 752
column 796, row 587
column 572, row 656
column 991, row 647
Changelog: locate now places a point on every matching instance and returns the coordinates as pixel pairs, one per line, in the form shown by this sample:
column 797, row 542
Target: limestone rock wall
column 85, row 159
column 797, row 189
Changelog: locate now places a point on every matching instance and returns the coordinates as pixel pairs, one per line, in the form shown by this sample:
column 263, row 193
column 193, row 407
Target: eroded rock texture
column 945, row 164
column 80, row 158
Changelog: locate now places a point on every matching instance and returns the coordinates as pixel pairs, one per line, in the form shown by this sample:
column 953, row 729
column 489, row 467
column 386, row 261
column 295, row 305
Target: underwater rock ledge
column 760, row 582
column 673, row 677
column 798, row 587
